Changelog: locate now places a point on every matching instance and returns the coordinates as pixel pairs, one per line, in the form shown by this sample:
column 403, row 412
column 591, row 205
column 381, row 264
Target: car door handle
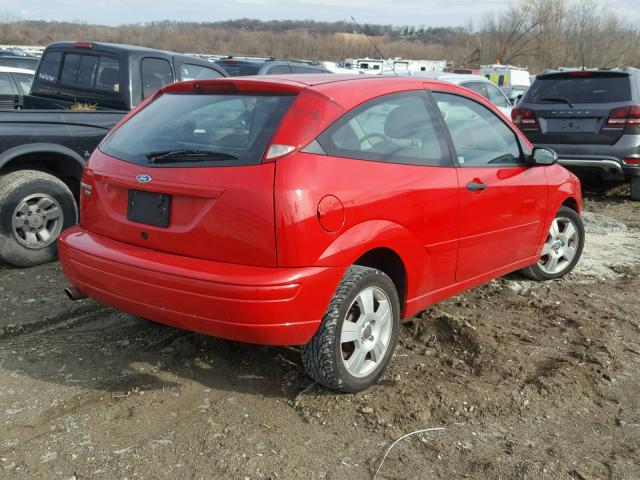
column 474, row 186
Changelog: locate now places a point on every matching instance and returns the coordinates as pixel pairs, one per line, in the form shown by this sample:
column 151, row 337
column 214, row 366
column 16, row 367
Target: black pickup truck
column 80, row 91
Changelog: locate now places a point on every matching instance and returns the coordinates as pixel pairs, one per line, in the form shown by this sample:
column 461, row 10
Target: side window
column 479, row 87
column 108, row 74
column 6, row 86
column 497, row 97
column 479, row 136
column 24, row 82
column 189, row 71
column 156, row 73
column 49, row 67
column 395, row 128
column 501, row 80
column 279, row 70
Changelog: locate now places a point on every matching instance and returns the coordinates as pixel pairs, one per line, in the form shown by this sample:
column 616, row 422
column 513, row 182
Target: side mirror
column 544, row 156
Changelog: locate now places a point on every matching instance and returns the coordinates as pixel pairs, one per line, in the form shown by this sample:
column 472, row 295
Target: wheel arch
column 572, row 203
column 384, row 245
column 388, row 261
column 57, row 160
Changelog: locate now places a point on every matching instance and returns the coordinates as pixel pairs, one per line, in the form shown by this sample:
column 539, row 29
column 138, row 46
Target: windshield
column 595, row 89
column 199, row 130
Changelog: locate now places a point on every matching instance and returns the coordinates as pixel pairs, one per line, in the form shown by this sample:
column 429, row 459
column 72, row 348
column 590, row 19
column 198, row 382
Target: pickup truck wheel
column 35, row 207
column 358, row 334
column 562, row 249
column 635, row 189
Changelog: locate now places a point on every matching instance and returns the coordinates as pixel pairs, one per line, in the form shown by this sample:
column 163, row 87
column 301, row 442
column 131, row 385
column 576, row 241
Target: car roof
column 4, row 69
column 111, row 47
column 331, row 85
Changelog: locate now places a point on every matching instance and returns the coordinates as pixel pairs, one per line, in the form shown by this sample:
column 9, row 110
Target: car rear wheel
column 635, row 188
column 358, row 334
column 35, row 207
column 562, row 249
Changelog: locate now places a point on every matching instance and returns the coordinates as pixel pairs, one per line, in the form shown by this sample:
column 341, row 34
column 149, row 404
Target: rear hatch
column 583, row 107
column 184, row 175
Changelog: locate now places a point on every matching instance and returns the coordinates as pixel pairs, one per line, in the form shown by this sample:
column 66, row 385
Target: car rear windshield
column 199, row 130
column 581, row 89
column 240, row 69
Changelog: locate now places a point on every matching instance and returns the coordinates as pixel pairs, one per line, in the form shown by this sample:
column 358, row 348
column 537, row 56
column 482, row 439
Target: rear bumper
column 604, row 158
column 270, row 306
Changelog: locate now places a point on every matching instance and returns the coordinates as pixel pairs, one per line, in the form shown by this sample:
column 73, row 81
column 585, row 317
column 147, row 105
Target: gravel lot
column 526, row 380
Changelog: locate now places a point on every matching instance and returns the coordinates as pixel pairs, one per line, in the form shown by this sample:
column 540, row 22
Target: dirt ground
column 525, row 380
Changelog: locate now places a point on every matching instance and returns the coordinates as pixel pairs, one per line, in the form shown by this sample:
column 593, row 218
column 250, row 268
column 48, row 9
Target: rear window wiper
column 188, row 155
column 556, row 100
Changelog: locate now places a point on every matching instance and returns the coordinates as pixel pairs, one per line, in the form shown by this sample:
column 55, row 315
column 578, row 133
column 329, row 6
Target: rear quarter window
column 394, row 128
column 594, row 89
column 156, row 73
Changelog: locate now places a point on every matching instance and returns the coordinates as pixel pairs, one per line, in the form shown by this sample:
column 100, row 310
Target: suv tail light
column 624, row 117
column 632, row 161
column 525, row 119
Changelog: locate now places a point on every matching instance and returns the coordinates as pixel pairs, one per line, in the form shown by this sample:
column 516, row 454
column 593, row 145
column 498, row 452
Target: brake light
column 525, row 119
column 624, row 117
column 580, row 74
column 83, row 45
column 632, row 161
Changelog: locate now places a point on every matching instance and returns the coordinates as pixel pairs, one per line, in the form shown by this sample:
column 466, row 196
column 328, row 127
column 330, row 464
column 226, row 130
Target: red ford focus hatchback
column 315, row 211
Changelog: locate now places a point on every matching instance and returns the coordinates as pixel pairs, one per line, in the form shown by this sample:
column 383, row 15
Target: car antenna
column 362, row 30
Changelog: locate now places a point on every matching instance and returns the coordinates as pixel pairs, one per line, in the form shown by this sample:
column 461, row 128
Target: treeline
column 534, row 33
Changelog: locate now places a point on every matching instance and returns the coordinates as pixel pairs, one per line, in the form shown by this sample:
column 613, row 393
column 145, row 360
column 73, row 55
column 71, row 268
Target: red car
column 315, row 211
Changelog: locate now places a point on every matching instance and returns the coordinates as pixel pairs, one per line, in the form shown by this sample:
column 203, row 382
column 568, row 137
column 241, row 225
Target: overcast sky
column 398, row 12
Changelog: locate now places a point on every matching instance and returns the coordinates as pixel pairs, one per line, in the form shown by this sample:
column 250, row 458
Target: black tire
column 323, row 355
column 15, row 188
column 536, row 272
column 635, row 189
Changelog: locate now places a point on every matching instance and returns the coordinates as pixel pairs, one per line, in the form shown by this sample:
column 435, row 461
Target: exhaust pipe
column 74, row 294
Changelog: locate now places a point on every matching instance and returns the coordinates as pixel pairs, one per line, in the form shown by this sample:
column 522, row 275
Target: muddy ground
column 526, row 381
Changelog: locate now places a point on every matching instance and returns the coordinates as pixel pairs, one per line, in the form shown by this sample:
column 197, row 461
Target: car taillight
column 83, row 45
column 276, row 151
column 632, row 161
column 624, row 117
column 525, row 119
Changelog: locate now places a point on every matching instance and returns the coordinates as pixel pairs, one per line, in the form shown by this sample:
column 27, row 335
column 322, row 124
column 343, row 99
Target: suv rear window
column 199, row 130
column 238, row 69
column 588, row 89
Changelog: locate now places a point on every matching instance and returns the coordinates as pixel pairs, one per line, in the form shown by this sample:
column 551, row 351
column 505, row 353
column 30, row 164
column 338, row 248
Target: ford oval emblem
column 143, row 178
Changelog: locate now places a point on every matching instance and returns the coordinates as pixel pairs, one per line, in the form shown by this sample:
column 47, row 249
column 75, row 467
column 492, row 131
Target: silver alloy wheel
column 561, row 246
column 366, row 332
column 37, row 221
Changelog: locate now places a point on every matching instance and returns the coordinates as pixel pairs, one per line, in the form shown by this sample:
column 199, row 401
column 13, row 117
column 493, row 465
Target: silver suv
column 591, row 118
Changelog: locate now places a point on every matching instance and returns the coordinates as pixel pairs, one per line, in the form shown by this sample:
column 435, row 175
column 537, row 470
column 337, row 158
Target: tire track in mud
column 69, row 319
